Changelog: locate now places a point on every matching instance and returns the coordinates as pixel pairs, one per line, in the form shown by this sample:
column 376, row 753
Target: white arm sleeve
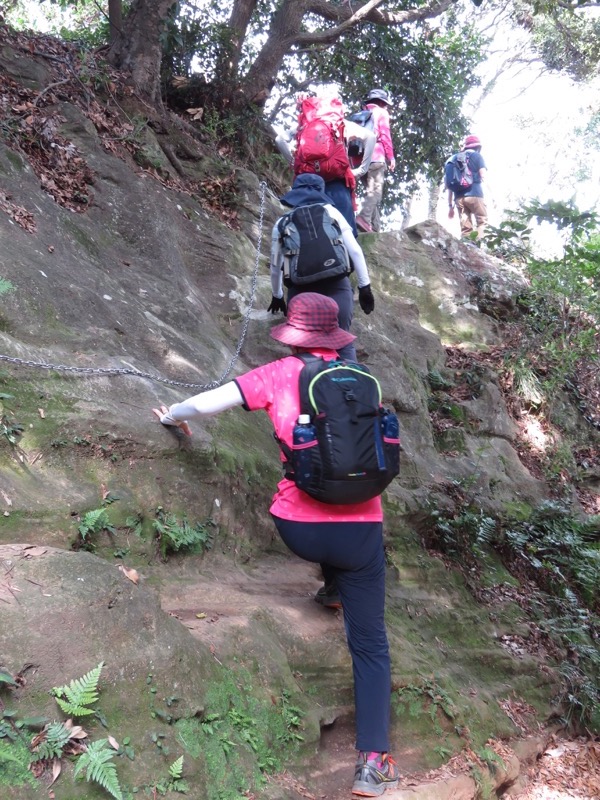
column 205, row 404
column 354, row 131
column 352, row 246
column 282, row 142
column 276, row 264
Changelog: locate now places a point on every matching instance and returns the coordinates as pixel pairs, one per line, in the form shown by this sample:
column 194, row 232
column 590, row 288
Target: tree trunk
column 285, row 28
column 137, row 48
column 434, row 189
column 230, row 54
column 115, row 19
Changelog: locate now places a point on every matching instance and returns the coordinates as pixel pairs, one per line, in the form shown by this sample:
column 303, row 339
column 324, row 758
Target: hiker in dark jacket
column 349, row 538
column 471, row 205
column 308, row 189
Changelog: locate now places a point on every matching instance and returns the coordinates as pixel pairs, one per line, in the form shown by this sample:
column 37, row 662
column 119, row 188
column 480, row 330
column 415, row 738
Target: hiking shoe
column 363, row 225
column 374, row 776
column 328, row 596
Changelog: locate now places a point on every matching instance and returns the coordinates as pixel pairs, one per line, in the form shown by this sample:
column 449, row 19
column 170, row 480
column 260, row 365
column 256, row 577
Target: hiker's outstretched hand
column 366, row 299
column 165, row 419
column 278, row 304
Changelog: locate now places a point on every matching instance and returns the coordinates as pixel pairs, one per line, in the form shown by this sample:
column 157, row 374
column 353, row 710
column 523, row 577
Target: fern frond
column 176, row 768
column 93, row 521
column 174, row 535
column 99, row 767
column 5, row 286
column 6, row 757
column 80, row 693
column 56, row 737
column 74, row 710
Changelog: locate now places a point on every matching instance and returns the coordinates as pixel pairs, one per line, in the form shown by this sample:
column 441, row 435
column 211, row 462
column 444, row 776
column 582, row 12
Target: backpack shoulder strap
column 312, row 366
column 283, row 221
column 333, row 222
column 308, row 359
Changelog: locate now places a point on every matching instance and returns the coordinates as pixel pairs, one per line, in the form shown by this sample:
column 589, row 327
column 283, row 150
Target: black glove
column 277, row 304
column 366, row 299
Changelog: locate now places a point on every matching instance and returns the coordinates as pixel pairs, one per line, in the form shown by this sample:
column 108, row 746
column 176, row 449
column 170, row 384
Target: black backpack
column 457, row 173
column 356, row 453
column 312, row 246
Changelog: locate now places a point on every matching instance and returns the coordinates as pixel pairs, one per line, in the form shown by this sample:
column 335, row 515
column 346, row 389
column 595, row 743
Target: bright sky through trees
column 531, row 123
column 532, row 146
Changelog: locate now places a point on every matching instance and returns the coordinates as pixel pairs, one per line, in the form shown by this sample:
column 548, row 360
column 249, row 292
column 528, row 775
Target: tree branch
column 369, row 12
column 285, row 33
column 231, row 48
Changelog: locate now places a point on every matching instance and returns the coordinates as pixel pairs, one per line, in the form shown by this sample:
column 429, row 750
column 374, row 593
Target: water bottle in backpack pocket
column 390, row 431
column 304, row 439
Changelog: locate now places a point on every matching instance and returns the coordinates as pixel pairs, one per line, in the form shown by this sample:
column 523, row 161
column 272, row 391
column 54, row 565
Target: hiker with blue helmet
column 309, row 190
column 368, row 218
column 349, row 538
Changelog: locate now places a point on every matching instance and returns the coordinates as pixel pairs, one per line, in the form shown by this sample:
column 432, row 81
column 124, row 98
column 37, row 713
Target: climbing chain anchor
column 109, row 372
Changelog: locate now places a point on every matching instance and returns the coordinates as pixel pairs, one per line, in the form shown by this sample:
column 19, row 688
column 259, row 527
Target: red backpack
column 320, row 141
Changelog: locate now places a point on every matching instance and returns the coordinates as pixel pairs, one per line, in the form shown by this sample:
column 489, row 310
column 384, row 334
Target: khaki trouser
column 373, row 182
column 469, row 207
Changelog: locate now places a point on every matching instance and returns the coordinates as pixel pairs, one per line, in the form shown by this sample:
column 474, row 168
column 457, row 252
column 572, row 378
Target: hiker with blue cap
column 313, row 249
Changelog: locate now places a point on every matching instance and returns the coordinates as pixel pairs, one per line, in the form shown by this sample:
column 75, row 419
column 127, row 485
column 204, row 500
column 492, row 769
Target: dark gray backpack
column 457, row 173
column 312, row 246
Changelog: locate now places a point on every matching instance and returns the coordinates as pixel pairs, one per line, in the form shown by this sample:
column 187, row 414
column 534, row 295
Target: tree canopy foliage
column 427, row 70
column 243, row 58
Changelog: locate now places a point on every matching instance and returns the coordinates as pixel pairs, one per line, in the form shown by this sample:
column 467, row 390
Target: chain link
column 21, row 362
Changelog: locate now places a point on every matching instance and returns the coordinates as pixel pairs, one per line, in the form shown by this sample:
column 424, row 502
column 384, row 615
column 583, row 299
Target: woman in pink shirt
column 347, row 538
column 368, row 218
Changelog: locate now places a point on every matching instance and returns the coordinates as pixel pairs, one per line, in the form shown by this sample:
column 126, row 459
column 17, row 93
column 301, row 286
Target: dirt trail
column 225, row 599
column 215, row 602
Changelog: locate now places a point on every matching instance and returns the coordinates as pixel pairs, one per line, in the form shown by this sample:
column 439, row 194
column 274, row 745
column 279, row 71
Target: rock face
column 72, row 605
column 147, row 280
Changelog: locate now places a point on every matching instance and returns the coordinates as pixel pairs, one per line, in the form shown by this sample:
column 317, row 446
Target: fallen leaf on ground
column 56, row 770
column 130, row 573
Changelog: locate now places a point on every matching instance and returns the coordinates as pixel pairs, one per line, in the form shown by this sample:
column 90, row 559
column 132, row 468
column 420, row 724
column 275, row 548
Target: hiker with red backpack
column 463, row 174
column 347, row 536
column 313, row 249
column 368, row 219
column 320, row 146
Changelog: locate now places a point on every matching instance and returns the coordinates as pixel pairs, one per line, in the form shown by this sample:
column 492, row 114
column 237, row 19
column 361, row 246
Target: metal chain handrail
column 22, row 362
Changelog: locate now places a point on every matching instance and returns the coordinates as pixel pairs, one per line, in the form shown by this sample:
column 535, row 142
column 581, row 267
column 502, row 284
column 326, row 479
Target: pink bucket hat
column 312, row 321
column 471, row 141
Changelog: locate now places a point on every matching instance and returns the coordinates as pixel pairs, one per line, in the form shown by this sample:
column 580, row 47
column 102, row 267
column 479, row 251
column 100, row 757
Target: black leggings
column 354, row 552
